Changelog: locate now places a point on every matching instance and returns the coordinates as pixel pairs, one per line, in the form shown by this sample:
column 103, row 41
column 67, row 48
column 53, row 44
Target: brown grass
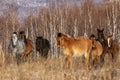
column 73, row 20
column 52, row 69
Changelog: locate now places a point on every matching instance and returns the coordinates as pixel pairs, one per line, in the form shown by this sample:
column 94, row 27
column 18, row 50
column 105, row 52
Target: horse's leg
column 102, row 56
column 45, row 53
column 22, row 57
column 116, row 55
column 98, row 59
column 109, row 55
column 28, row 55
column 113, row 57
column 87, row 60
column 42, row 52
column 68, row 60
column 87, row 55
column 92, row 62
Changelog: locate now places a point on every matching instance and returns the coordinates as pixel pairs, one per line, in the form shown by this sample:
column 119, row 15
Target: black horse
column 101, row 38
column 42, row 46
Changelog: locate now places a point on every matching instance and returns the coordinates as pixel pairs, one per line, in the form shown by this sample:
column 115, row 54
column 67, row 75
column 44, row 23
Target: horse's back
column 80, row 45
column 42, row 46
column 29, row 44
column 20, row 46
column 85, row 41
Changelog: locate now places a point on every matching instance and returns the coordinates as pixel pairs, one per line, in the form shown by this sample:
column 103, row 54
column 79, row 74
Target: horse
column 101, row 38
column 42, row 46
column 113, row 48
column 28, row 44
column 16, row 46
column 74, row 47
column 97, row 49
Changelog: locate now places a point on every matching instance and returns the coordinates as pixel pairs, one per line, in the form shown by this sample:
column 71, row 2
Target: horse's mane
column 15, row 33
column 22, row 32
column 61, row 34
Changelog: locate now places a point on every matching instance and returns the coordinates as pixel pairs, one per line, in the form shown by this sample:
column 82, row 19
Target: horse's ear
column 15, row 33
column 98, row 30
column 59, row 35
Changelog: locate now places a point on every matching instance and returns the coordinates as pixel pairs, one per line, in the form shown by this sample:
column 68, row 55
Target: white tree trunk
column 114, row 13
column 75, row 28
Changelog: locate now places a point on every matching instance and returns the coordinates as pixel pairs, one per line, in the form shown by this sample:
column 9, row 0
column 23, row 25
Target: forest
column 69, row 17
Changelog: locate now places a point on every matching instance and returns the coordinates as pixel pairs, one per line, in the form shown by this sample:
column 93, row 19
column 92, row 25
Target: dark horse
column 103, row 41
column 28, row 44
column 42, row 46
column 16, row 46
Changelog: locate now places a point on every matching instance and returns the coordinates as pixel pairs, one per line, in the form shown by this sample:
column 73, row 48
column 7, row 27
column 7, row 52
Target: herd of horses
column 94, row 49
column 20, row 46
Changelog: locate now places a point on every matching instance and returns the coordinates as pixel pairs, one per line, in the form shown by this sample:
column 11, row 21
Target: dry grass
column 52, row 69
column 73, row 20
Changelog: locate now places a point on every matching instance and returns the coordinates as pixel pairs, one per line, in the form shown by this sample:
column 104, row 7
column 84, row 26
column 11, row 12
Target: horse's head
column 101, row 34
column 109, row 40
column 93, row 39
column 61, row 39
column 14, row 38
column 22, row 36
column 39, row 37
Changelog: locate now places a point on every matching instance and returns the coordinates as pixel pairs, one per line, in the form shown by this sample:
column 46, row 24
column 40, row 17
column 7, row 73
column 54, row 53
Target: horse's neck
column 25, row 40
column 112, row 43
column 20, row 43
column 67, row 41
column 101, row 39
column 94, row 44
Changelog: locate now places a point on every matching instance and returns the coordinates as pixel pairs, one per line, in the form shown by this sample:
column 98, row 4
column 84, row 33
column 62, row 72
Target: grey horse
column 16, row 46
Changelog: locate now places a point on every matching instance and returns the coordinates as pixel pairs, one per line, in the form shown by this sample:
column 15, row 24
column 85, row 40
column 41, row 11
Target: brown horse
column 113, row 47
column 74, row 47
column 28, row 44
column 97, row 49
